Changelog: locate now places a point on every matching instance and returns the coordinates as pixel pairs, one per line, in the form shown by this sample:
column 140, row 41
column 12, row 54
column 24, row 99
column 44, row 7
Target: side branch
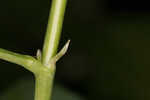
column 27, row 62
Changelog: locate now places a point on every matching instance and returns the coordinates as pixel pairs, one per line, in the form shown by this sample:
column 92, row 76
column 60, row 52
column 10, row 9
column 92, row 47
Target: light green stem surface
column 28, row 62
column 53, row 30
column 44, row 70
column 44, row 84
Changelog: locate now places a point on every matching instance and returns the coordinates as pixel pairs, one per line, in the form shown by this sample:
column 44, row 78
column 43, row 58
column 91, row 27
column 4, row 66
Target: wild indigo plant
column 44, row 65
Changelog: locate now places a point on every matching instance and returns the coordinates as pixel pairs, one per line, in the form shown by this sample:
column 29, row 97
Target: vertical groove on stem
column 53, row 29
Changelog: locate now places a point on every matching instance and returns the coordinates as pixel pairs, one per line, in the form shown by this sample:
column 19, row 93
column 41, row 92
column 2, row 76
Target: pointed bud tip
column 38, row 54
column 67, row 44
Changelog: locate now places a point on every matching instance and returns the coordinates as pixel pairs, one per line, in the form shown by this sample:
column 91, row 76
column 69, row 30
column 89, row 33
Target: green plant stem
column 28, row 62
column 53, row 30
column 43, row 87
column 44, row 70
column 44, row 83
column 44, row 79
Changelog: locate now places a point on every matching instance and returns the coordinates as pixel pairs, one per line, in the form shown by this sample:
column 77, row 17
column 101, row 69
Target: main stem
column 44, row 84
column 43, row 88
column 53, row 30
column 44, row 79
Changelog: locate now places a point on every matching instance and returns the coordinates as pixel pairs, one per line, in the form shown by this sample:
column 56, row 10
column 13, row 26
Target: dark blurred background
column 109, row 55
